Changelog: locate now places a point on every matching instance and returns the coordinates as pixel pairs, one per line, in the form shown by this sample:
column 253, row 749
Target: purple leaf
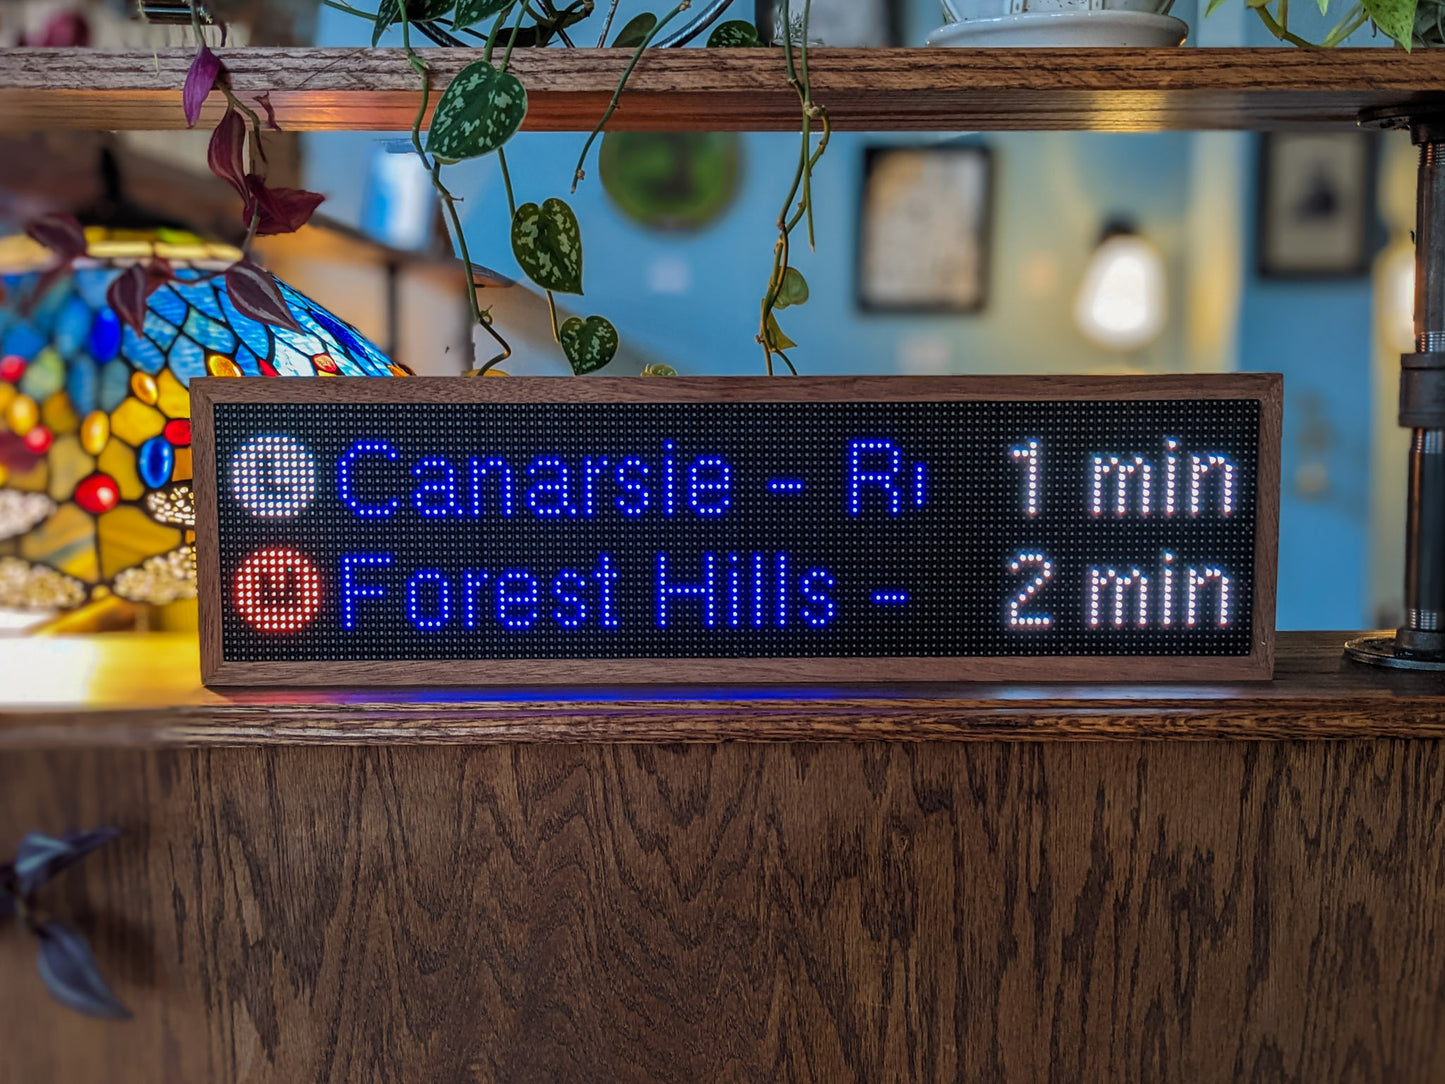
column 200, row 80
column 227, row 154
column 264, row 101
column 126, row 295
column 70, row 972
column 255, row 294
column 158, row 272
column 41, row 857
column 60, row 233
column 283, row 210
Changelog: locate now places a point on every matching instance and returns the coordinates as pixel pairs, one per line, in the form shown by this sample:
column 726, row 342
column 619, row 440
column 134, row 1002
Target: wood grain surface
column 128, row 690
column 745, row 89
column 1266, row 388
column 1196, row 912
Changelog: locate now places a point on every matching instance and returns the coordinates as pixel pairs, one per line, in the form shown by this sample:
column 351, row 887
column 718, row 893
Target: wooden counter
column 611, row 886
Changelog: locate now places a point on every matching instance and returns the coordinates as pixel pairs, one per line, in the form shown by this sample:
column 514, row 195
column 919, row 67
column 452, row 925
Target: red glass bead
column 267, row 369
column 325, row 363
column 12, row 367
column 38, row 439
column 178, row 431
column 97, row 493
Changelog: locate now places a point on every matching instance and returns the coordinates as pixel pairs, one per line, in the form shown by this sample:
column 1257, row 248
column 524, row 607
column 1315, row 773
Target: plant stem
column 552, row 310
column 578, row 174
column 1280, row 32
column 512, row 42
column 507, row 181
column 607, row 23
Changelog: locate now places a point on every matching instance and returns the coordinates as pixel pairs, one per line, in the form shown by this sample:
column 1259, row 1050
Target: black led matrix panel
column 455, row 531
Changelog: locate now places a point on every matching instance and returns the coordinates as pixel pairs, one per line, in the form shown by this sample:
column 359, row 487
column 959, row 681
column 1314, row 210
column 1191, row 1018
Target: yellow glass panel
column 69, row 463
column 22, row 414
column 181, row 472
column 4, row 474
column 144, row 387
column 65, row 541
column 95, row 432
column 128, row 536
column 220, row 365
column 135, row 423
column 32, row 479
column 7, row 396
column 118, row 461
column 59, row 415
column 172, row 397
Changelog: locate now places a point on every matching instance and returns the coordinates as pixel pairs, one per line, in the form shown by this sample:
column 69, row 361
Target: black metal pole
column 1420, row 642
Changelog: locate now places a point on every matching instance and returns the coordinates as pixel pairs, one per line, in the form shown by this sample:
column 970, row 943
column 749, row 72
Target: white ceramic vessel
column 1071, row 28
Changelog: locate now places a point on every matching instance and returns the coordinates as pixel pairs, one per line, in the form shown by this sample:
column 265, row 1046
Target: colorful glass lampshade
column 95, row 435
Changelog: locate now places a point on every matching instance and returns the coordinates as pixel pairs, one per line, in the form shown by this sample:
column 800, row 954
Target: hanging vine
column 477, row 114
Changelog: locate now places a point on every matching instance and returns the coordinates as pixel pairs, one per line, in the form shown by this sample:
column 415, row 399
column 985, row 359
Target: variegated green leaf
column 589, row 344
column 737, row 34
column 1395, row 17
column 548, row 244
column 659, row 369
column 479, row 112
column 388, row 13
column 471, row 12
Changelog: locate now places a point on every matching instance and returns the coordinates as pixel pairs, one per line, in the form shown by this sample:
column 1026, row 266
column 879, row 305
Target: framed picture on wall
column 1316, row 198
column 923, row 238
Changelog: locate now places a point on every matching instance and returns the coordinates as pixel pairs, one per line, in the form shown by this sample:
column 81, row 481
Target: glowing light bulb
column 1121, row 302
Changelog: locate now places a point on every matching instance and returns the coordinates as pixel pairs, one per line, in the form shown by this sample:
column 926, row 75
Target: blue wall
column 693, row 298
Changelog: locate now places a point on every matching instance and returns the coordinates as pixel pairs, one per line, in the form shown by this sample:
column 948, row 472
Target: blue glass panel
column 305, row 344
column 72, row 326
column 168, row 303
column 82, row 383
column 187, row 357
column 155, row 461
column 114, row 385
column 246, row 361
column 210, row 334
column 159, row 331
column 43, row 314
column 142, row 353
column 105, row 336
column 91, row 283
column 203, row 296
column 289, row 361
column 24, row 340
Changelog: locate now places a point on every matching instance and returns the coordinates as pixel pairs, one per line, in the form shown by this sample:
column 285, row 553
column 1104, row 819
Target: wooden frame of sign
column 1258, row 664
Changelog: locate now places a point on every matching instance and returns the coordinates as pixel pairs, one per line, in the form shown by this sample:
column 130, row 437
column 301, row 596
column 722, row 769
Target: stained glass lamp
column 95, row 434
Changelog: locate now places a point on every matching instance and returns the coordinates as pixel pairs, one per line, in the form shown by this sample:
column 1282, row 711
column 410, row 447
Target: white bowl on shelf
column 1064, row 28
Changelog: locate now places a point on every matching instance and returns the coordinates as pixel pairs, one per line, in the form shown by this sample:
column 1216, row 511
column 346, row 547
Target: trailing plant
column 67, row 966
column 476, row 115
column 1406, row 22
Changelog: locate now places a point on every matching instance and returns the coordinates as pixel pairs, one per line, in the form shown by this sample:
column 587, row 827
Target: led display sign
column 859, row 529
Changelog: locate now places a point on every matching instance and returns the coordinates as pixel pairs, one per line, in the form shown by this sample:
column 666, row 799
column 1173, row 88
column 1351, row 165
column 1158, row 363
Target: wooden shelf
column 864, row 89
column 126, row 690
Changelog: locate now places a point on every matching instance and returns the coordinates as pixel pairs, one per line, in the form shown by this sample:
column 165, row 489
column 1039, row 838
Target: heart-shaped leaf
column 1395, row 17
column 60, row 233
column 794, row 290
column 735, row 34
column 389, row 13
column 471, row 12
column 227, row 153
column 200, row 79
column 589, row 344
column 255, row 294
column 71, row 974
column 126, row 296
column 776, row 339
column 282, row 210
column 635, row 32
column 41, row 857
column 478, row 112
column 548, row 244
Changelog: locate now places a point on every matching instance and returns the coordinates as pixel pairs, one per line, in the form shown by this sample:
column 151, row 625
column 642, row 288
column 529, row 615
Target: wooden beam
column 746, row 89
